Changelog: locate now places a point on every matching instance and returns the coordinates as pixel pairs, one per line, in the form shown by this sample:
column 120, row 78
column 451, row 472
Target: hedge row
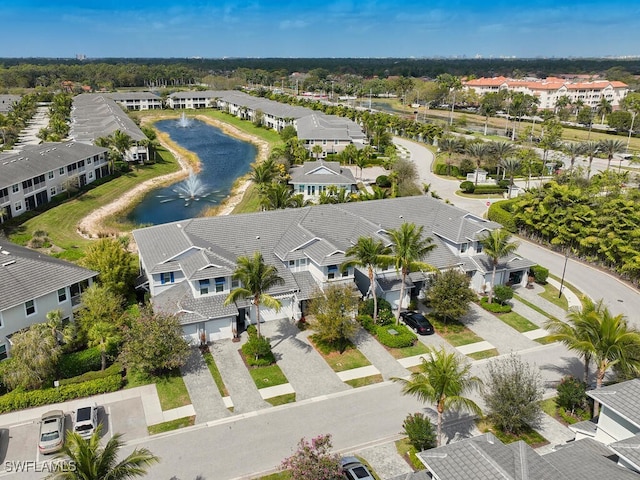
column 77, row 363
column 17, row 400
column 403, row 338
column 501, row 212
column 114, row 369
column 494, row 307
column 454, row 170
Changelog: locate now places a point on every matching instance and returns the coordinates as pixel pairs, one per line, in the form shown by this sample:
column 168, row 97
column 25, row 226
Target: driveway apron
column 378, row 355
column 205, row 396
column 309, row 375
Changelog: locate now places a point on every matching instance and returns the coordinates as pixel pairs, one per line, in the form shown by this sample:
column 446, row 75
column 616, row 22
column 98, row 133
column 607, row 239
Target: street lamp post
column 564, row 269
column 633, row 119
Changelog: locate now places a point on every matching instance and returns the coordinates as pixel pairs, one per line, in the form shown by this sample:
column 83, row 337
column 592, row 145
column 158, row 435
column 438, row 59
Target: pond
column 223, row 160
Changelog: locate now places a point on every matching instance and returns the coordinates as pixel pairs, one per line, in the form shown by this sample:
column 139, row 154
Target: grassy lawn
column 286, row 475
column 492, row 352
column 364, row 381
column 532, row 306
column 517, row 321
column 282, row 399
column 529, row 436
column 339, row 362
column 550, row 408
column 544, row 340
column 551, row 295
column 215, row 373
column 61, row 222
column 250, row 201
column 407, row 451
column 418, row 348
column 171, row 425
column 268, row 376
column 454, row 332
column 171, row 388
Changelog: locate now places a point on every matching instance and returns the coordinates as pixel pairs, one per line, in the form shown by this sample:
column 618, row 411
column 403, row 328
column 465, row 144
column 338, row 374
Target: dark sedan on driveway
column 417, row 322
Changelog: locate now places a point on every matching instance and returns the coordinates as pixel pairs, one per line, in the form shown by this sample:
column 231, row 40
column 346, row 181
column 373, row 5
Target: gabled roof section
column 26, row 274
column 629, row 450
column 622, row 398
column 321, row 172
column 160, row 243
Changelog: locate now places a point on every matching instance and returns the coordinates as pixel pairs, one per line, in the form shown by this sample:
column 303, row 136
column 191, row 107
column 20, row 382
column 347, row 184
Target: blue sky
column 312, row 28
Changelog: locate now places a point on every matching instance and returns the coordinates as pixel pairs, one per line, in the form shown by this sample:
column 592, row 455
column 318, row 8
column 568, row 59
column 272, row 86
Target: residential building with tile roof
column 137, row 100
column 312, row 178
column 33, row 284
column 187, row 266
column 550, row 89
column 37, row 173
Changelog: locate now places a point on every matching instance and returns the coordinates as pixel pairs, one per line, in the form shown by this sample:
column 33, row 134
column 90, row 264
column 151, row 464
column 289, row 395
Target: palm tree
column 256, row 277
column 573, row 149
column 501, row 150
column 478, row 151
column 449, row 146
column 590, row 149
column 496, row 245
column 603, row 108
column 103, row 335
column 121, row 142
column 93, row 462
column 572, row 332
column 368, row 253
column 510, row 166
column 317, row 151
column 278, row 196
column 263, row 173
column 444, row 378
column 408, row 248
column 611, row 147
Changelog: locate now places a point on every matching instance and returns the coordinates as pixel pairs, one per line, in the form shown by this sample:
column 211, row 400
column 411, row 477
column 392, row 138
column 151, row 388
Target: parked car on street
column 51, row 437
column 86, row 420
column 353, row 469
column 417, row 322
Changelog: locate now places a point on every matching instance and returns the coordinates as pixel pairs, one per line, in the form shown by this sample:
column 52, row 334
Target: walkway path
column 242, row 389
column 205, row 396
column 379, row 357
column 306, row 370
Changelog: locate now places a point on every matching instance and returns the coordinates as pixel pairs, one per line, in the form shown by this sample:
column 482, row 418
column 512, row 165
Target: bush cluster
column 77, row 363
column 114, row 369
column 501, row 212
column 403, row 338
column 487, row 189
column 467, row 187
column 454, row 170
column 502, row 293
column 257, row 350
column 419, row 429
column 17, row 399
column 540, row 274
column 494, row 307
column 383, row 181
column 572, row 394
column 366, row 307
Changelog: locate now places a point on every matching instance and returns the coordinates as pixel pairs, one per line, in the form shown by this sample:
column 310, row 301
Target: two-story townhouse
column 31, row 285
column 188, row 266
column 137, row 100
column 312, row 178
column 331, row 132
column 191, row 99
column 33, row 176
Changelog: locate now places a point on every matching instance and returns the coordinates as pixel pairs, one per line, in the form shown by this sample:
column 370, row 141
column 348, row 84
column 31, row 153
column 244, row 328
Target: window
column 204, row 287
column 50, row 175
column 292, row 263
column 88, row 161
column 62, row 295
column 53, row 191
column 90, row 174
column 166, row 277
column 479, row 248
column 15, row 188
column 61, row 171
column 219, row 284
column 463, row 247
column 18, row 206
column 332, row 270
column 30, row 307
column 303, row 261
column 3, row 351
column 235, row 283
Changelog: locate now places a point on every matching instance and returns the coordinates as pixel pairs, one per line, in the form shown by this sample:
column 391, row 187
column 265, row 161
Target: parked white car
column 85, row 420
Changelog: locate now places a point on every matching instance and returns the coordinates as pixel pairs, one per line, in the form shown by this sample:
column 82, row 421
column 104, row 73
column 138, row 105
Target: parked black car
column 418, row 322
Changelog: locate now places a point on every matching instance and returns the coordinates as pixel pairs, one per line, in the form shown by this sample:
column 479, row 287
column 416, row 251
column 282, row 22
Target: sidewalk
column 379, row 357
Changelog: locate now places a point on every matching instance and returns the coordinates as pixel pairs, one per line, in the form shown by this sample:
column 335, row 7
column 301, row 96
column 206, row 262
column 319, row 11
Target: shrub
column 77, row 363
column 504, row 184
column 367, row 323
column 501, row 212
column 540, row 274
column 366, row 307
column 18, row 399
column 420, row 431
column 383, row 181
column 487, row 189
column 257, row 351
column 502, row 293
column 494, row 307
column 572, row 394
column 252, row 331
column 114, row 369
column 452, row 170
column 386, row 317
column 467, row 187
column 404, row 337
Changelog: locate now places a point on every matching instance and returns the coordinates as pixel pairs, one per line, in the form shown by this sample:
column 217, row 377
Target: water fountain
column 190, row 190
column 183, row 121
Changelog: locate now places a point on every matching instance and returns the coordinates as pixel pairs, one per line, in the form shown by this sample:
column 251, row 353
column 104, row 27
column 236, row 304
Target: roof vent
column 257, row 237
column 10, row 262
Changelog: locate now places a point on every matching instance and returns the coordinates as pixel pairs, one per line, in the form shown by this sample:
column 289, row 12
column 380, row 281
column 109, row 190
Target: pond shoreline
column 93, row 225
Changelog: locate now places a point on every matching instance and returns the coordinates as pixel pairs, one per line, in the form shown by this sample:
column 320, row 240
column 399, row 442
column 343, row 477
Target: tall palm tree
column 262, row 174
column 444, row 378
column 479, row 152
column 449, row 146
column 121, row 142
column 590, row 149
column 497, row 244
column 511, row 166
column 93, row 462
column 256, row 277
column 573, row 149
column 278, row 196
column 572, row 332
column 368, row 253
column 501, row 150
column 603, row 108
column 408, row 248
column 103, row 335
column 610, row 148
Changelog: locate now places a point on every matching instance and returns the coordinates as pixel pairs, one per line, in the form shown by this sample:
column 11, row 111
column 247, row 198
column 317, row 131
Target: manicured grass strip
column 492, row 352
column 172, row 391
column 532, row 306
column 408, row 452
column 364, row 381
column 545, row 340
column 286, row 475
column 268, row 376
column 250, row 201
column 282, row 399
column 529, row 435
column 454, row 332
column 550, row 408
column 215, row 373
column 339, row 362
column 517, row 321
column 171, row 425
column 551, row 295
column 418, row 348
